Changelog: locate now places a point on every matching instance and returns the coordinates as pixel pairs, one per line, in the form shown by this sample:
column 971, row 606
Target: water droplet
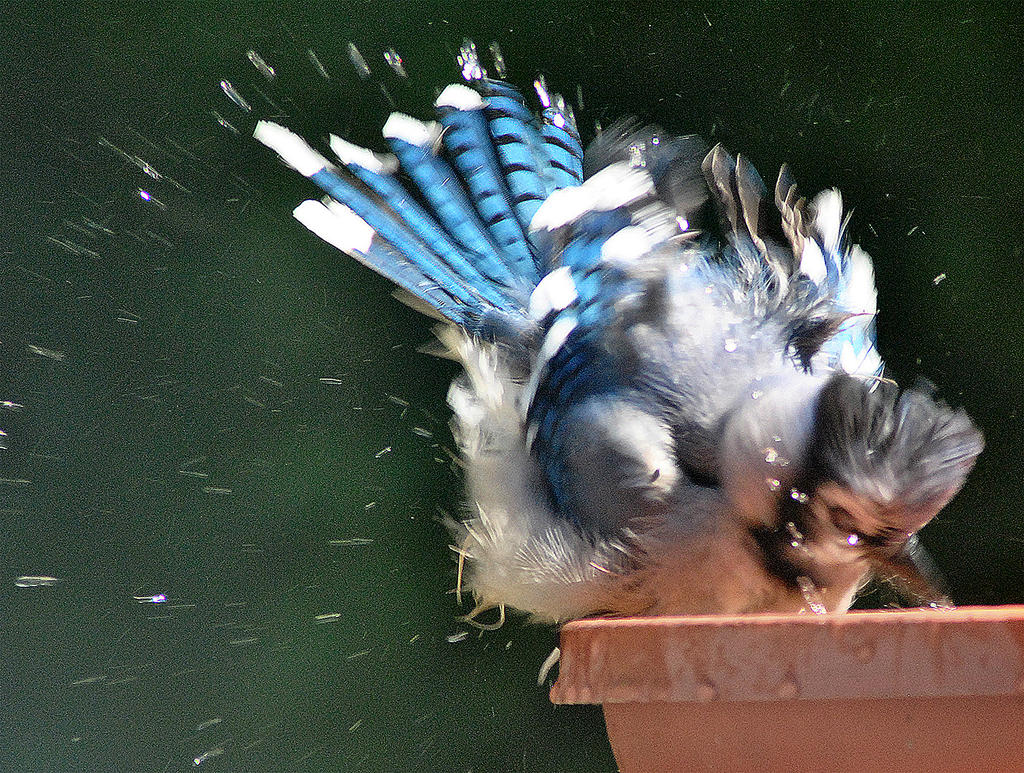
column 730, row 344
column 149, row 198
column 773, row 484
column 35, row 581
column 155, row 598
column 706, row 692
column 852, row 539
column 317, row 64
column 197, row 761
column 358, row 62
column 260, row 64
column 350, row 542
column 395, row 62
column 812, row 596
column 232, row 93
column 224, row 122
column 541, row 87
column 469, row 62
column 799, row 496
column 499, row 60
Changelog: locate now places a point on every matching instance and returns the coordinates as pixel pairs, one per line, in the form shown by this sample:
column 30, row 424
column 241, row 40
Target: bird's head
column 834, row 477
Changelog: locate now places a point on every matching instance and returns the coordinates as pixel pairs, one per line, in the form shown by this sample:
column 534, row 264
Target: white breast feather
column 518, row 552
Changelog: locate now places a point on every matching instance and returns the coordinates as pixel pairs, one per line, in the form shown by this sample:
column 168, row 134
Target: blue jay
column 672, row 402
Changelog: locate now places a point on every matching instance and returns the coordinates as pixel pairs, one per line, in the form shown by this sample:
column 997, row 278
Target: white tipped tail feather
column 349, row 153
column 400, row 126
column 292, row 149
column 460, row 97
column 337, row 225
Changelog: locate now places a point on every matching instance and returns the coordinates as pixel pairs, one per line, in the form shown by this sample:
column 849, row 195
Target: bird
column 671, row 399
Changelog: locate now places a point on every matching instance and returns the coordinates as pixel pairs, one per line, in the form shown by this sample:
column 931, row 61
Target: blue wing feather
column 458, row 239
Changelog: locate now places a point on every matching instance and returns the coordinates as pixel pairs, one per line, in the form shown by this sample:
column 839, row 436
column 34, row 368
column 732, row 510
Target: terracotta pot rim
column 920, row 653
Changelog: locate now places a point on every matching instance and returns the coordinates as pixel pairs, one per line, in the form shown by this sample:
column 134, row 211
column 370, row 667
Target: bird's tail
column 446, row 215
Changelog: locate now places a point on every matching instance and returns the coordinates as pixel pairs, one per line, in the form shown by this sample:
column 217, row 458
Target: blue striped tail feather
column 339, row 226
column 447, row 217
column 520, row 148
column 436, row 181
column 395, row 231
column 378, row 175
column 468, row 141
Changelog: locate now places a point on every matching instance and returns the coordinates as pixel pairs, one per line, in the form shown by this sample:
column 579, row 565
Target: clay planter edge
column 878, row 690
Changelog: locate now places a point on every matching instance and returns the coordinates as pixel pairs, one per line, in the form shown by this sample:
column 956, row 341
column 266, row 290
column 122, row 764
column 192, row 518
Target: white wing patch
column 626, row 246
column 556, row 291
column 617, row 185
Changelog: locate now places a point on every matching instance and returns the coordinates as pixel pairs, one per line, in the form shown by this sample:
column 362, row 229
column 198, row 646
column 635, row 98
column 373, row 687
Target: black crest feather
column 902, row 448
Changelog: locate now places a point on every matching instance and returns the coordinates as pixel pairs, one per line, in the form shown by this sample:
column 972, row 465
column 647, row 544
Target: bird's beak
column 913, row 573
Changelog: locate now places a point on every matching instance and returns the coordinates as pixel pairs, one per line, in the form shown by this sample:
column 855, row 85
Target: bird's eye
column 843, row 520
column 886, row 537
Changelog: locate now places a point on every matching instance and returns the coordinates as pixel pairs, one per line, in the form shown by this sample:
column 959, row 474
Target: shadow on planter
column 881, row 690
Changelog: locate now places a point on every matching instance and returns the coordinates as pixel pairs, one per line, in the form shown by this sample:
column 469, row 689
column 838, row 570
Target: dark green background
column 194, row 336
